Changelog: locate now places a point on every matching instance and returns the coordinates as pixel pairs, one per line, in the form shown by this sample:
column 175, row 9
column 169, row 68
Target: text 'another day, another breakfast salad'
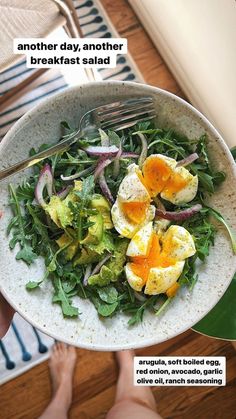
column 119, row 219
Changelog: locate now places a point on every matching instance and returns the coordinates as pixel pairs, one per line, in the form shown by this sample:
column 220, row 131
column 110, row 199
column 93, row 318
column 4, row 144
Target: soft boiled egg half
column 157, row 258
column 159, row 175
column 132, row 207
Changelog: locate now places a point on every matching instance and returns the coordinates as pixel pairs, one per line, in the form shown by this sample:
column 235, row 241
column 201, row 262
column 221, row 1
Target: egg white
column 160, row 279
column 123, row 225
column 131, row 188
column 140, row 243
column 178, row 243
column 135, row 281
column 187, row 193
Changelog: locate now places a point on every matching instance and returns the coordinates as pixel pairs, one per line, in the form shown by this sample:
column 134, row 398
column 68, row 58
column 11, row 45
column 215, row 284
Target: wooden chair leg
column 72, row 22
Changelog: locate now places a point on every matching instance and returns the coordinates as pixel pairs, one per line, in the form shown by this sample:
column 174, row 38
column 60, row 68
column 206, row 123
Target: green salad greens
column 66, row 219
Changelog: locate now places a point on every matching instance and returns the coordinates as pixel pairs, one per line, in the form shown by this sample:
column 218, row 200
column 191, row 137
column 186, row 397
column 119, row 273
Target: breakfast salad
column 119, row 219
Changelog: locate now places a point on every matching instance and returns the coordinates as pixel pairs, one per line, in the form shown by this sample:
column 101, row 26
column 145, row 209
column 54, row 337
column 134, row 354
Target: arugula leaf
column 103, row 308
column 108, row 294
column 32, row 285
column 65, row 125
column 26, row 254
column 149, row 131
column 17, row 226
column 114, row 138
column 142, row 126
column 233, row 152
column 201, row 149
column 25, row 191
column 62, row 298
column 218, row 178
column 163, row 306
column 203, row 231
column 106, row 310
column 139, row 310
column 206, row 181
column 41, row 232
column 86, row 191
column 221, row 219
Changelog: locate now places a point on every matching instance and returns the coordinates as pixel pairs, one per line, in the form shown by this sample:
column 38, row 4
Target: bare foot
column 62, row 364
column 125, row 358
column 125, row 387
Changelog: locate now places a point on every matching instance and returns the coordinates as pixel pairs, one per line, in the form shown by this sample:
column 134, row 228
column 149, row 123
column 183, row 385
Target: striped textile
column 24, row 346
column 94, row 23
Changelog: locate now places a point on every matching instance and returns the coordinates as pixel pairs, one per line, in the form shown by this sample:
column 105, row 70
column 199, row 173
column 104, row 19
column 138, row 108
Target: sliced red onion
column 178, row 216
column 143, row 154
column 64, row 192
column 45, row 180
column 101, row 166
column 103, row 163
column 139, row 296
column 188, row 160
column 87, row 274
column 100, row 264
column 101, row 151
column 79, row 174
column 105, row 189
column 129, row 155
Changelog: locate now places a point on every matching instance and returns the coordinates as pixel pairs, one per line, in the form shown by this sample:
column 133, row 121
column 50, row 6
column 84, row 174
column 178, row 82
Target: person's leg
column 61, row 365
column 6, row 315
column 131, row 401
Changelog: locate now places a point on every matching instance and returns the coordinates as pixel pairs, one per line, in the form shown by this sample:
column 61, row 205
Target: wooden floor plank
column 96, row 375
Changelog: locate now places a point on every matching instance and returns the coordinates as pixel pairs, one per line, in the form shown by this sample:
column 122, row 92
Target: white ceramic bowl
column 42, row 124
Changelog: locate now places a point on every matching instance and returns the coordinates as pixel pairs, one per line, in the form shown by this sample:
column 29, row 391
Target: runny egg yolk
column 156, row 258
column 158, row 175
column 174, row 184
column 135, row 211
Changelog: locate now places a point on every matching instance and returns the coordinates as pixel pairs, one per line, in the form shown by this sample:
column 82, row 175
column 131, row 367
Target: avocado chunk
column 103, row 207
column 78, row 185
column 102, row 279
column 59, row 212
column 95, row 231
column 105, row 245
column 116, row 263
column 85, row 257
column 113, row 268
column 72, row 248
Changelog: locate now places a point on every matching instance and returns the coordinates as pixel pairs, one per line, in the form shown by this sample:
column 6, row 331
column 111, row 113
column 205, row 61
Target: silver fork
column 114, row 116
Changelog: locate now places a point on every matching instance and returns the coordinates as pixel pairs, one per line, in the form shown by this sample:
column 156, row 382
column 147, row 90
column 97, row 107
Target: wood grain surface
column 96, row 372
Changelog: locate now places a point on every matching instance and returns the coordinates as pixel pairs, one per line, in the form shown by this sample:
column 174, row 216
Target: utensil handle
column 31, row 161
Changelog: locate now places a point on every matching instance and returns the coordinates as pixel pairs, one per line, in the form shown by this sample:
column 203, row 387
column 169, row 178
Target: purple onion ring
column 180, row 215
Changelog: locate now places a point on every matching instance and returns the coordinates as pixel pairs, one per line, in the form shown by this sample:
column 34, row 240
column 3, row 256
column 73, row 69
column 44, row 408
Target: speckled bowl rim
column 146, row 89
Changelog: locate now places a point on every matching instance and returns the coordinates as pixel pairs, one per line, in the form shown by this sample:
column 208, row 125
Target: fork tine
column 128, row 118
column 123, row 104
column 131, row 123
column 112, row 114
